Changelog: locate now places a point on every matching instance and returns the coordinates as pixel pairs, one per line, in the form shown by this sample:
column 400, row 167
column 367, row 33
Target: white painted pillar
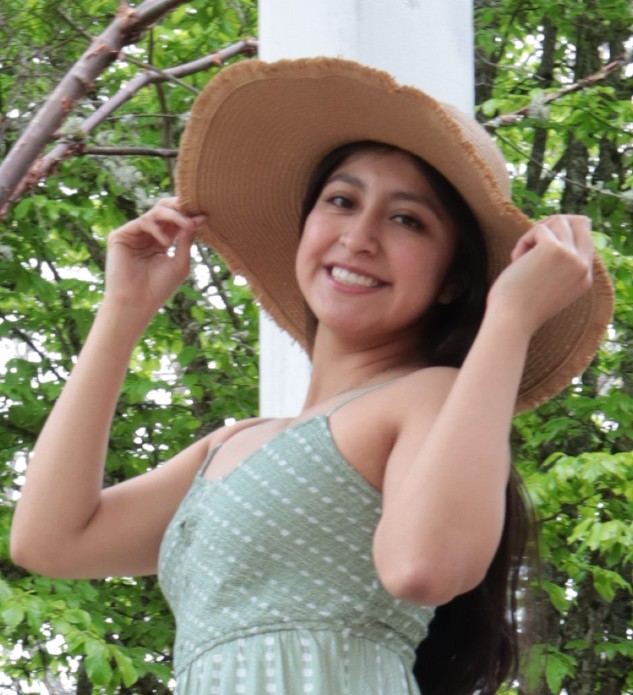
column 423, row 43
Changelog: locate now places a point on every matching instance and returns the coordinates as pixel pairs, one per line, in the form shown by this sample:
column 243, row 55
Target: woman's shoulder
column 389, row 407
column 428, row 383
column 428, row 375
column 396, row 399
column 222, row 434
column 421, row 394
column 368, row 429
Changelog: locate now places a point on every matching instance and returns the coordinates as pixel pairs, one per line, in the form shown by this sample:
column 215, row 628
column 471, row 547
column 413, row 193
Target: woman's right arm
column 65, row 524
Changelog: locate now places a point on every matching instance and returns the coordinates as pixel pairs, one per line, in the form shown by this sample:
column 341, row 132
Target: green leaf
column 607, row 583
column 579, row 644
column 125, row 667
column 557, row 595
column 187, row 355
column 558, row 667
column 5, row 590
column 13, row 615
column 97, row 663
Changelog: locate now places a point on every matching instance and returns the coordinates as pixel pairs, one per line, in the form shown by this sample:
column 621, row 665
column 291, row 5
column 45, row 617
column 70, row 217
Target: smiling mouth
column 351, row 279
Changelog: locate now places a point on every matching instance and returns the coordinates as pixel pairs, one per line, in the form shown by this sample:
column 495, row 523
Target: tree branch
column 125, row 28
column 26, row 338
column 145, row 151
column 165, row 74
column 68, row 147
column 554, row 171
column 166, row 123
column 515, row 116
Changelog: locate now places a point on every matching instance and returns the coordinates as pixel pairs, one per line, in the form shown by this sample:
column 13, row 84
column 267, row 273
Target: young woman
column 306, row 555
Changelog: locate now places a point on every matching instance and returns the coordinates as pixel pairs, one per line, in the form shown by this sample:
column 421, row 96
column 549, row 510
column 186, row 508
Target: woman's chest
column 361, row 436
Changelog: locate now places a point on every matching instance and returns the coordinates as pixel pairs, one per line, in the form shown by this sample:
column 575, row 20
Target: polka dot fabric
column 269, row 573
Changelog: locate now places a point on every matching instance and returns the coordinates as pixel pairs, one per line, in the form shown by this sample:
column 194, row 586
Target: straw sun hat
column 257, row 131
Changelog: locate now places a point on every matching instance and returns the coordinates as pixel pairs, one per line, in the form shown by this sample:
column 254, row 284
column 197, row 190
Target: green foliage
column 196, row 365
column 574, row 155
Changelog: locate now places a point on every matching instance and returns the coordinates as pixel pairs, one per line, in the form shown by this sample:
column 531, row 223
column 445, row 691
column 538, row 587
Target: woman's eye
column 408, row 221
column 340, row 201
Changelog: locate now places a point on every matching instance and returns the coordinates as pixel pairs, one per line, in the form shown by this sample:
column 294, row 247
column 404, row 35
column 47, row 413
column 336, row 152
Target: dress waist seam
column 393, row 642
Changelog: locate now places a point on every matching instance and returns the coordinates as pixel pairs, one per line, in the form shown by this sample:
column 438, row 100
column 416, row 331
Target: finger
column 523, row 244
column 182, row 256
column 584, row 243
column 574, row 231
column 555, row 228
column 169, row 201
column 174, row 203
column 529, row 240
column 581, row 227
column 561, row 228
column 171, row 222
column 156, row 231
column 587, row 251
column 139, row 233
column 166, row 213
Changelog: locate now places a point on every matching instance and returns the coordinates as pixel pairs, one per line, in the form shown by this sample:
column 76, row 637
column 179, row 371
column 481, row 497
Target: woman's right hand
column 142, row 270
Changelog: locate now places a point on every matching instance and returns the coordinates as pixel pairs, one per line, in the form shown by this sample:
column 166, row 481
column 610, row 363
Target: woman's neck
column 338, row 368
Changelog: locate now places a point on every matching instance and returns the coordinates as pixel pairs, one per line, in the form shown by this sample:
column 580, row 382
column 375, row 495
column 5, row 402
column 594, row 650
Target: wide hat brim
column 257, row 131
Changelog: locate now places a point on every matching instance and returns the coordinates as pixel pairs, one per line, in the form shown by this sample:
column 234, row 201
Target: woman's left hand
column 551, row 266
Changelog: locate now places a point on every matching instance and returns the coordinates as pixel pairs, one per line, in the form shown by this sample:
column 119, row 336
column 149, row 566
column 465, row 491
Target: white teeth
column 346, row 277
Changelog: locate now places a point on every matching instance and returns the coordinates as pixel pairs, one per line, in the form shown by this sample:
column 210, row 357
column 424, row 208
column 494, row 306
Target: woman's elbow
column 22, row 556
column 429, row 584
column 29, row 554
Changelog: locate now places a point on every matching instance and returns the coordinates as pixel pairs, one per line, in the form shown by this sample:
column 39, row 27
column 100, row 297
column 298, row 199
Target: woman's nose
column 359, row 236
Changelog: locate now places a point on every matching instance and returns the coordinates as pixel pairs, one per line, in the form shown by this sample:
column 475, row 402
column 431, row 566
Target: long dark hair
column 473, row 642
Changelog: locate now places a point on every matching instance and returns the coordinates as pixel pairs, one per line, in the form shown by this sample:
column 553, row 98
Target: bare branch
column 125, row 28
column 165, row 74
column 66, row 148
column 555, row 170
column 515, row 116
column 72, row 24
column 26, row 338
column 144, row 151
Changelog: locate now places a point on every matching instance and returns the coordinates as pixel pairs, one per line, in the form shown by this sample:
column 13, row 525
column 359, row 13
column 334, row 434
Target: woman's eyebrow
column 347, row 178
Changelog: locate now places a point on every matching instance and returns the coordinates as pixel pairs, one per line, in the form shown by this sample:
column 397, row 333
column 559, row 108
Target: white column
column 423, row 43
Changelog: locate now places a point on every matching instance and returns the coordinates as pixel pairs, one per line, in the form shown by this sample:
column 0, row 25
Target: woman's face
column 375, row 248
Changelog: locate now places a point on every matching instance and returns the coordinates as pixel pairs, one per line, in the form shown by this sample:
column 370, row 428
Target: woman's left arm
column 444, row 486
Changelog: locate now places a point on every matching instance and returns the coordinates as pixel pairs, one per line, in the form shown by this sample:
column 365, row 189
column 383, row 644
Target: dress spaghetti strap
column 251, row 422
column 357, row 394
column 208, row 458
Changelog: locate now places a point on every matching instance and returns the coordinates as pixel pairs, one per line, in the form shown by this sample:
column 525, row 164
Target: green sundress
column 269, row 573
